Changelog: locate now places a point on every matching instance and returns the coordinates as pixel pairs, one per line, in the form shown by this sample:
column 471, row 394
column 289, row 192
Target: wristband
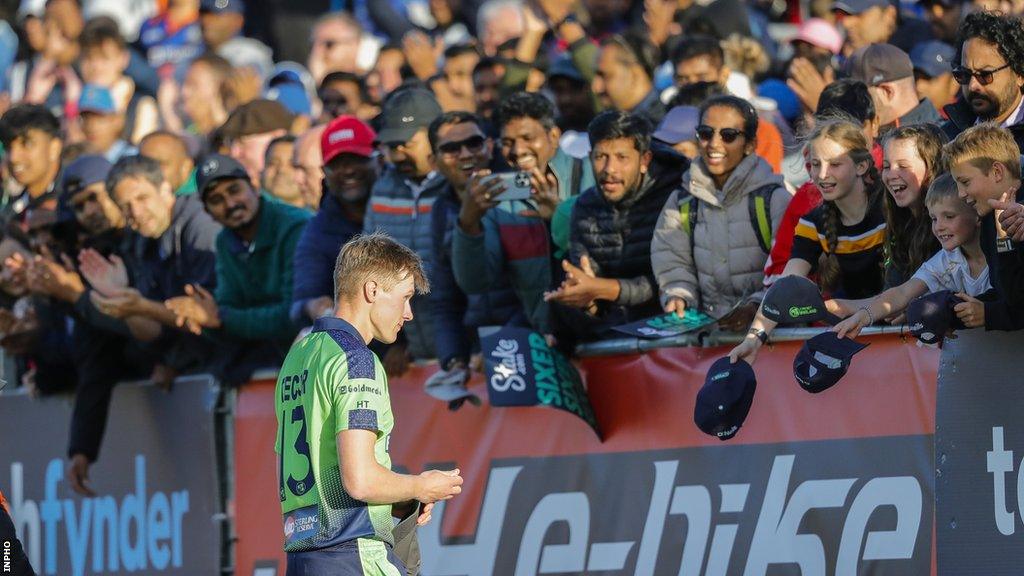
column 759, row 334
column 871, row 317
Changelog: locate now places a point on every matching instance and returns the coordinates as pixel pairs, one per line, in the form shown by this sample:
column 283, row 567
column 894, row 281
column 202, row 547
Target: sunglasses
column 729, row 135
column 474, row 144
column 963, row 75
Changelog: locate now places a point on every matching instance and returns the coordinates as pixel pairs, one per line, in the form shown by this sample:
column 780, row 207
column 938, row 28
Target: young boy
column 960, row 266
column 984, row 160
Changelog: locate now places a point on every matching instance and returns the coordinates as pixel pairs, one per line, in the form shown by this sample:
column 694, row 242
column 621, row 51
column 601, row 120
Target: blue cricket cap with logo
column 725, row 399
column 795, row 300
column 222, row 6
column 823, row 360
column 97, row 99
column 931, row 316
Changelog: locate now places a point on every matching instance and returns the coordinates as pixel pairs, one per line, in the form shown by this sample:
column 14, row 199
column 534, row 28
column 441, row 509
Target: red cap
column 347, row 134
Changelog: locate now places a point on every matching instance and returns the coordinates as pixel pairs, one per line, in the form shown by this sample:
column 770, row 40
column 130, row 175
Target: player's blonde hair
column 376, row 257
column 982, row 146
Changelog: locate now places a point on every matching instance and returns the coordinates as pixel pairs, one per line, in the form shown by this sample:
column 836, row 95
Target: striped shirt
column 859, row 250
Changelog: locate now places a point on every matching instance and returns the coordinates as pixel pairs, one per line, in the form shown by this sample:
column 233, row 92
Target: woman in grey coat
column 714, row 233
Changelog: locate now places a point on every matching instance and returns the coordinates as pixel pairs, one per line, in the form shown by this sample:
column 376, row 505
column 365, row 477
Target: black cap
column 405, row 112
column 725, row 399
column 795, row 300
column 218, row 167
column 823, row 360
column 931, row 316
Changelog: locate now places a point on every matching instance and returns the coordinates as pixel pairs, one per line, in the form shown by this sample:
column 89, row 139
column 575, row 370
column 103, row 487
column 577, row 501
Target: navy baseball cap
column 823, row 360
column 725, row 399
column 795, row 300
column 218, row 167
column 564, row 67
column 222, row 6
column 855, row 7
column 931, row 316
column 84, row 172
column 933, row 58
column 679, row 125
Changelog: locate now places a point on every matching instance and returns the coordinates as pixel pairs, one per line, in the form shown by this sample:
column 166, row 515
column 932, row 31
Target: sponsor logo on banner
column 522, row 370
column 667, row 325
column 794, row 509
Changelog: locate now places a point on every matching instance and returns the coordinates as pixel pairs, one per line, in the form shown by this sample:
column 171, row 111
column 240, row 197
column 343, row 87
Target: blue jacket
column 456, row 314
column 316, row 253
column 403, row 212
column 516, row 244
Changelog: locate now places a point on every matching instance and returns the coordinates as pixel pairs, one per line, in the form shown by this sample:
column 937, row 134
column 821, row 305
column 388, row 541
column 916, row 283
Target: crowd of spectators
column 179, row 175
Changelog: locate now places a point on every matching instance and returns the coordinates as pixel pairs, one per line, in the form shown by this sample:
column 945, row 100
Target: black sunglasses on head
column 729, row 135
column 963, row 75
column 474, row 144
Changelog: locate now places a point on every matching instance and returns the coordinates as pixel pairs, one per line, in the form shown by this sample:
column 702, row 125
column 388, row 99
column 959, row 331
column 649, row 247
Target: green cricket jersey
column 330, row 381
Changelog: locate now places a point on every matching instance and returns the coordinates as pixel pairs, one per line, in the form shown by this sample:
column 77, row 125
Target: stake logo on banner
column 522, row 370
column 667, row 325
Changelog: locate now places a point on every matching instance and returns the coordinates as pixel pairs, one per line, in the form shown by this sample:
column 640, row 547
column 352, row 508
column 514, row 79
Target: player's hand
column 78, row 475
column 439, row 485
column 746, row 350
column 424, row 516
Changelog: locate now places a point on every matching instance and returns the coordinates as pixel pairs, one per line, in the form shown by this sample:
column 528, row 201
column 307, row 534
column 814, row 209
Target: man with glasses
column 400, row 205
column 889, row 75
column 989, row 67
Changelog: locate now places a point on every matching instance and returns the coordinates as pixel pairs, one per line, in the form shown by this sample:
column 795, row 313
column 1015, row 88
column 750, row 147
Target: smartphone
column 516, row 185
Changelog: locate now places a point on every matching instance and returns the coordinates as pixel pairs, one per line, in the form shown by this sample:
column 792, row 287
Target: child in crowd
column 959, row 266
column 841, row 239
column 912, row 158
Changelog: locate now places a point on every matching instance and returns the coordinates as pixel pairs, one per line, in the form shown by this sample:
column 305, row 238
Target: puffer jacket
column 723, row 264
column 617, row 237
column 398, row 210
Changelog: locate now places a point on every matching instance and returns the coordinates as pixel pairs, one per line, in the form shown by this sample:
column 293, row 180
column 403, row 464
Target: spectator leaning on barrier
column 32, row 140
column 461, row 148
column 889, row 75
column 254, row 271
column 609, row 279
column 516, row 240
column 989, row 67
column 714, row 233
column 172, row 245
column 171, row 151
column 349, row 173
column 985, row 162
column 401, row 201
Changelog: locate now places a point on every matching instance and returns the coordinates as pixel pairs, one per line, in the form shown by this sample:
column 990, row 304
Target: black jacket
column 1004, row 305
column 961, row 117
column 617, row 237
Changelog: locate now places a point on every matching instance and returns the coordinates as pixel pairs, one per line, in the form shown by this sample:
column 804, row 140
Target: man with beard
column 254, row 270
column 346, row 146
column 608, row 275
column 401, row 201
column 989, row 67
column 461, row 148
column 511, row 239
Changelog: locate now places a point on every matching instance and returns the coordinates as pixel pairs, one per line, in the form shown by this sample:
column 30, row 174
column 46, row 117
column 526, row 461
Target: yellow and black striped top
column 859, row 250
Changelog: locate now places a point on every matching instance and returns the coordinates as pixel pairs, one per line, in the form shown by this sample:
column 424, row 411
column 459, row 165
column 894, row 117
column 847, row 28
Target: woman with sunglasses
column 713, row 235
column 842, row 239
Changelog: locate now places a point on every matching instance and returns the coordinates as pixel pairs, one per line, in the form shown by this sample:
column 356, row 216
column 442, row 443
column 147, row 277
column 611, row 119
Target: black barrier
column 157, row 507
column 979, row 438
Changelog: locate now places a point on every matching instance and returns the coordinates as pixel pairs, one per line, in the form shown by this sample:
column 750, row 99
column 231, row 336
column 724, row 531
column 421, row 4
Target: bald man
column 309, row 164
column 171, row 151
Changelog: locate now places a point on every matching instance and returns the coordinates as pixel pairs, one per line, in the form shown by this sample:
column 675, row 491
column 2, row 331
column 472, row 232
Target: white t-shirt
column 948, row 270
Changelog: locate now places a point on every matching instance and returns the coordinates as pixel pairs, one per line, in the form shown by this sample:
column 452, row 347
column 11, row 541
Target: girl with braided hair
column 842, row 239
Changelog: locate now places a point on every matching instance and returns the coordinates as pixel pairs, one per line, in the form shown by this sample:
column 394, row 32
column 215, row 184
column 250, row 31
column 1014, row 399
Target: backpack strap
column 688, row 214
column 759, row 205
